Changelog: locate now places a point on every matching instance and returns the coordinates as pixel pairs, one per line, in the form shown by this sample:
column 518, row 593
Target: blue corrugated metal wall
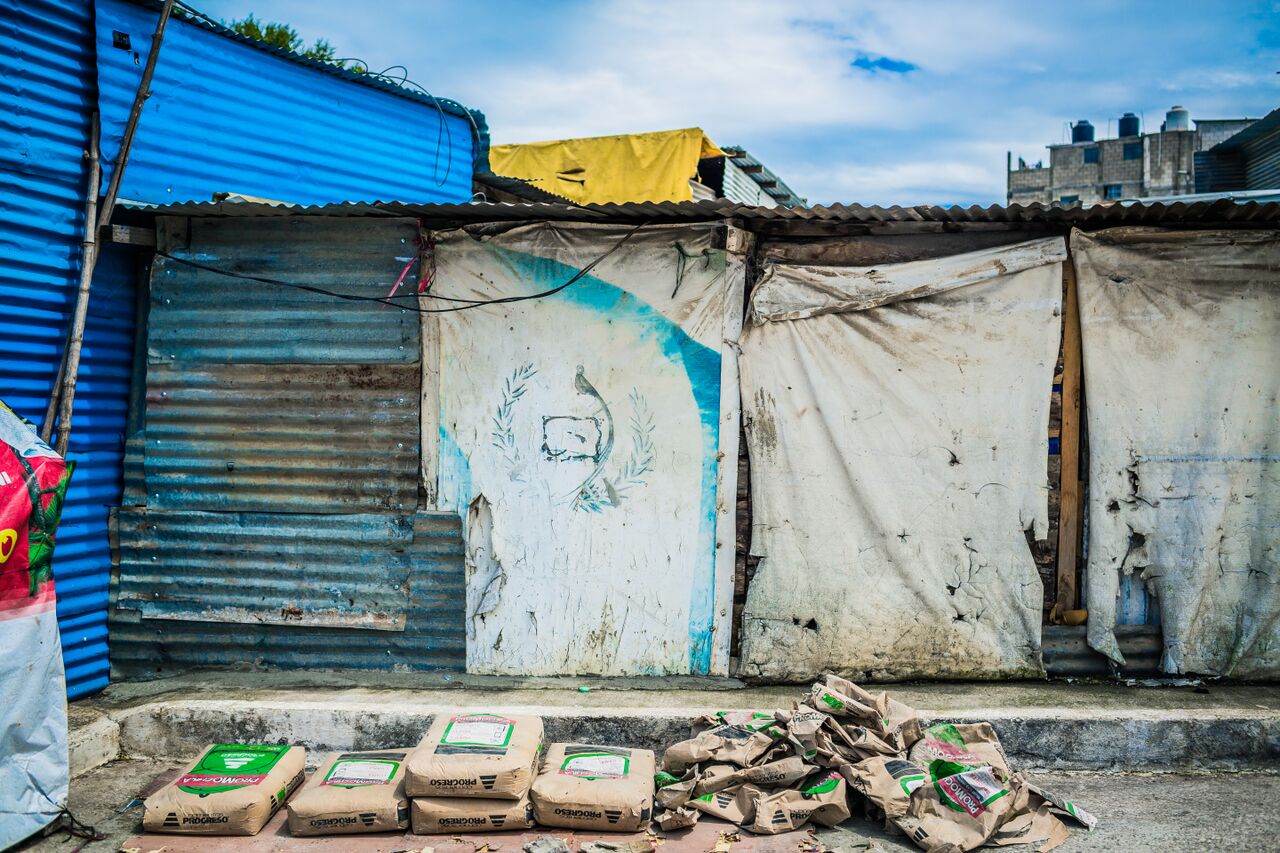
column 225, row 116
column 46, row 96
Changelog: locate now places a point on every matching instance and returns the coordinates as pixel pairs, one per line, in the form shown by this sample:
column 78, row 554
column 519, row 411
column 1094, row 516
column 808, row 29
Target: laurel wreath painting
column 504, row 438
column 597, row 491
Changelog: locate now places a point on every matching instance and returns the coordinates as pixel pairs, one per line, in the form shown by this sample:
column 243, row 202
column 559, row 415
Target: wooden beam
column 129, row 234
column 1071, row 511
column 755, row 169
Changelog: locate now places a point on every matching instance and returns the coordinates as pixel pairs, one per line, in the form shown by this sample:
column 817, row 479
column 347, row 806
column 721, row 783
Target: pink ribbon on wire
column 404, row 272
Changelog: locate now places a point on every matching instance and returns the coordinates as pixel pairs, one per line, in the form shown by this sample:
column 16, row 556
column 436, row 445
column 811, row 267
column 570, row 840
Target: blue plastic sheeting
column 46, row 75
column 228, row 115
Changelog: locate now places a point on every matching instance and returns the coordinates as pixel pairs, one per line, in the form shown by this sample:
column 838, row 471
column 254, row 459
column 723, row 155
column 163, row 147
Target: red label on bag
column 199, row 780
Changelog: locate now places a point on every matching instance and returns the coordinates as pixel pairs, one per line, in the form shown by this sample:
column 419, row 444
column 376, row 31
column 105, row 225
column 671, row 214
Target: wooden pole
column 55, row 394
column 66, row 388
column 95, row 219
column 1071, row 507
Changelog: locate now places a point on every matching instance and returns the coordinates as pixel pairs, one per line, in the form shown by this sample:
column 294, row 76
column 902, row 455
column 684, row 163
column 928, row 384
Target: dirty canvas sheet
column 1181, row 337
column 579, row 435
column 896, row 420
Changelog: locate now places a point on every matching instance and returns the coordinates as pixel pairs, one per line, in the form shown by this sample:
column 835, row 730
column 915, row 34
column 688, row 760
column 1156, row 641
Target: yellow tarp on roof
column 601, row 169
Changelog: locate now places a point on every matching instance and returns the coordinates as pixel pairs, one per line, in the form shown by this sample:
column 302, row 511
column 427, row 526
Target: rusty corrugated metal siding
column 275, row 480
column 433, row 638
column 341, row 571
column 255, row 437
column 198, row 316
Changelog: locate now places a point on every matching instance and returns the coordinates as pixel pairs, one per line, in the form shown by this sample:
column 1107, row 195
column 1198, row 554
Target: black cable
column 387, row 300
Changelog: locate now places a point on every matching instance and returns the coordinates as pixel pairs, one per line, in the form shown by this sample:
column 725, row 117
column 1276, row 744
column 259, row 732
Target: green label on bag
column 226, row 767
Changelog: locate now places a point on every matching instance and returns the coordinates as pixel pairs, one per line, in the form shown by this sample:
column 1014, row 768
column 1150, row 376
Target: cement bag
column 969, row 796
column 33, row 712
column 491, row 756
column 352, row 792
column 595, row 787
column 233, row 789
column 825, row 802
column 445, row 815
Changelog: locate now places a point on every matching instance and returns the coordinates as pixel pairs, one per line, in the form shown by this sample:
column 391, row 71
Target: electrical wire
column 465, row 304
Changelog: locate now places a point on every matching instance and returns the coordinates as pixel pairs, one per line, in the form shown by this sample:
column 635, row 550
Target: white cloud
column 776, row 77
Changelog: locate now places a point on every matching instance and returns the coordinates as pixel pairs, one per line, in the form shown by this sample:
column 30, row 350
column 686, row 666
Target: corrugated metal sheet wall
column 740, row 187
column 280, row 461
column 225, row 116
column 46, row 96
column 228, row 116
column 1262, row 158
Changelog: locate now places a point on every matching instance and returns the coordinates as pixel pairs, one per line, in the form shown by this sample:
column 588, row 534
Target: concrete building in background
column 1133, row 165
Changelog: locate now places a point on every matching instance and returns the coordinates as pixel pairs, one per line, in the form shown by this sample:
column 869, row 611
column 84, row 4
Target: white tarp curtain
column 897, row 423
column 1181, row 340
column 580, row 437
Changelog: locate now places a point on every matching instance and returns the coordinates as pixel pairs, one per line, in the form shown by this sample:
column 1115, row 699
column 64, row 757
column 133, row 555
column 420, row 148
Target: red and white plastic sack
column 33, row 713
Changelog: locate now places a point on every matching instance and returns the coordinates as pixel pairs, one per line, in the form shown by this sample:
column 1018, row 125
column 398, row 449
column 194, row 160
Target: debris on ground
column 631, row 845
column 546, row 844
column 948, row 787
column 838, row 839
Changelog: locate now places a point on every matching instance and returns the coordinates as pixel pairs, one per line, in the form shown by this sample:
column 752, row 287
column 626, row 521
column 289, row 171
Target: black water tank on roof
column 1082, row 131
column 1129, row 125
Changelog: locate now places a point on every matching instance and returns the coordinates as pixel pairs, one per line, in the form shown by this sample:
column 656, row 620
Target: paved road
column 1224, row 813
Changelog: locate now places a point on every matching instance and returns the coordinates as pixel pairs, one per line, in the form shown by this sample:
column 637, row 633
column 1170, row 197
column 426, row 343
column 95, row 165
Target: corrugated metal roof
column 1101, row 215
column 230, row 114
column 1262, row 127
column 767, row 181
column 434, row 634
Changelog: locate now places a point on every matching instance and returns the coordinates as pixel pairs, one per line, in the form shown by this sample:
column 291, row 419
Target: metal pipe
column 95, row 219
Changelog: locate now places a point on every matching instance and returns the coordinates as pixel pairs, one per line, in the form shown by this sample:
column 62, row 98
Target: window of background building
column 1091, row 154
column 1069, row 199
column 1111, row 191
column 1133, row 151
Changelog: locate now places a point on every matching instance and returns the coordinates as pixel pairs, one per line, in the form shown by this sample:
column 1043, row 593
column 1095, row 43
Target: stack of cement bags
column 595, row 787
column 947, row 787
column 472, row 773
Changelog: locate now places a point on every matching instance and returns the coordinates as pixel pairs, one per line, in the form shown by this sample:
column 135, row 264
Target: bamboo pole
column 95, row 219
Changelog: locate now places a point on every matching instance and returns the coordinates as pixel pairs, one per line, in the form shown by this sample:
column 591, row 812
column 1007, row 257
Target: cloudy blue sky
column 874, row 102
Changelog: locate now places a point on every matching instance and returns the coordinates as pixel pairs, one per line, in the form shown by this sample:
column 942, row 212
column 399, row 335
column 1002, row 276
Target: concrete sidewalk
column 1042, row 725
column 1228, row 812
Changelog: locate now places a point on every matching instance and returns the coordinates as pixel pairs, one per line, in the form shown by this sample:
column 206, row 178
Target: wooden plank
column 132, row 235
column 1072, row 504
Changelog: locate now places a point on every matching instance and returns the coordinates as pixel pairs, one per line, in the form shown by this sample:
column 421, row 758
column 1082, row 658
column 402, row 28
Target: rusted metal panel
column 433, row 637
column 200, row 314
column 348, row 571
column 282, row 437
